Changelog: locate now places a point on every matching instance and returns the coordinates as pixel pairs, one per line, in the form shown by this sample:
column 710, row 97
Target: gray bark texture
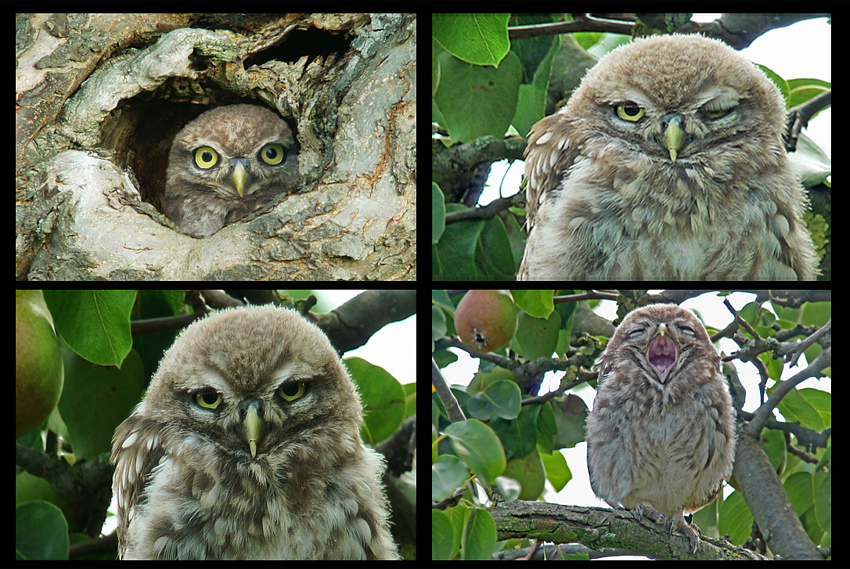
column 100, row 98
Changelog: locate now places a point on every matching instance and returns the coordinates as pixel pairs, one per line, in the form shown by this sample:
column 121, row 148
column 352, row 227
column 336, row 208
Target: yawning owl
column 666, row 164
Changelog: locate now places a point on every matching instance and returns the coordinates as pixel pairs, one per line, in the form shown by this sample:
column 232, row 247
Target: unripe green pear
column 486, row 320
column 39, row 373
column 529, row 472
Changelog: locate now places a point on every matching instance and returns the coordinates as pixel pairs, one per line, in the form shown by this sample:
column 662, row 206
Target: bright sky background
column 392, row 347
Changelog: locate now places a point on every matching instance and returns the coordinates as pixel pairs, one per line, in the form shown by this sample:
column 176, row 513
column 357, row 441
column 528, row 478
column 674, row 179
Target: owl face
column 679, row 112
column 681, row 108
column 226, row 164
column 249, row 384
column 667, row 163
column 233, row 151
column 660, row 340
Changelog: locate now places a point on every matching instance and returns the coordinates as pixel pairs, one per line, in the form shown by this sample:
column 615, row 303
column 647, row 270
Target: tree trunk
column 100, row 98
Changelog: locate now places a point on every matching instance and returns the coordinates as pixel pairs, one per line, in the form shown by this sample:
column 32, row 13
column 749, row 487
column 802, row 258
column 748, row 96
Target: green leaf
column 502, row 399
column 478, row 446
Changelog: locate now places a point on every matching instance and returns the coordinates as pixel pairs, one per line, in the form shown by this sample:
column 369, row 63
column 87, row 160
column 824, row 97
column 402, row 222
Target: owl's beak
column 662, row 352
column 673, row 136
column 253, row 426
column 239, row 177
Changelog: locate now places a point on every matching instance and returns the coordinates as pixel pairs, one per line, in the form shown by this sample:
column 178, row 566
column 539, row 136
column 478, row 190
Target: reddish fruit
column 486, row 320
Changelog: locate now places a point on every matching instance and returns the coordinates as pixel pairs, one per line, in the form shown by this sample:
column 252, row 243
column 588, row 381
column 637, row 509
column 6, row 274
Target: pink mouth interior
column 661, row 354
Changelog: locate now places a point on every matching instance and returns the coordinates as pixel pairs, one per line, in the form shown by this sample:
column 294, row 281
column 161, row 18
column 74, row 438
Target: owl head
column 661, row 339
column 682, row 97
column 252, row 384
column 247, row 446
column 232, row 152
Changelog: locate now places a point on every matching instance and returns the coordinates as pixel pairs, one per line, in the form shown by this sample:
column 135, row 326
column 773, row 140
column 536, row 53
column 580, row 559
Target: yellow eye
column 208, row 398
column 716, row 114
column 292, row 391
column 206, row 157
column 272, row 154
column 630, row 111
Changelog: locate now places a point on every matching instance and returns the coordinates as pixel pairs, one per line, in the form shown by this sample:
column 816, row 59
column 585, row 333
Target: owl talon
column 650, row 513
column 689, row 531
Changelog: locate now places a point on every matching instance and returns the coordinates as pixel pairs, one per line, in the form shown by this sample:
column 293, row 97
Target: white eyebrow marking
column 293, row 369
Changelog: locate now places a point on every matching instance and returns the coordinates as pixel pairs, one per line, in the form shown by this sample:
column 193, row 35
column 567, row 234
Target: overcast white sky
column 392, row 347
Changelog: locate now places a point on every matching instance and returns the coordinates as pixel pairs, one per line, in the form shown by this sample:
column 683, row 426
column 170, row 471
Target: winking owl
column 667, row 163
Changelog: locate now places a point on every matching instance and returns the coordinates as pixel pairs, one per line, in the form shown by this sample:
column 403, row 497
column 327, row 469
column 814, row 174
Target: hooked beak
column 674, row 137
column 239, row 178
column 253, row 427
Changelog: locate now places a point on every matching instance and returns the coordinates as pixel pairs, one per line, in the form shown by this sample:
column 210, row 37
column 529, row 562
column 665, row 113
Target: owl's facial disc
column 662, row 353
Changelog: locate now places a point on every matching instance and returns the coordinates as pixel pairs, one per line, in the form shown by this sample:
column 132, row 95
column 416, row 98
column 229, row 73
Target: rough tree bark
column 100, row 98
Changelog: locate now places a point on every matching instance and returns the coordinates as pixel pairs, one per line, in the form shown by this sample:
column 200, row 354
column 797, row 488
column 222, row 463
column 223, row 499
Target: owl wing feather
column 139, row 452
column 548, row 157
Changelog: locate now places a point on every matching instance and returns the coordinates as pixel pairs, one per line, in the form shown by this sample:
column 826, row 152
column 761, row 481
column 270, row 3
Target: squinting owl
column 666, row 164
column 247, row 446
column 661, row 436
column 227, row 163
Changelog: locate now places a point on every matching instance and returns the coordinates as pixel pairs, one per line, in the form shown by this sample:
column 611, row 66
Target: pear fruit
column 486, row 320
column 39, row 373
column 529, row 472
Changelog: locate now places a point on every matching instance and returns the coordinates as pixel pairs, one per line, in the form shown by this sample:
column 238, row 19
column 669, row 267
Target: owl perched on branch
column 661, row 436
column 226, row 164
column 247, row 446
column 666, row 164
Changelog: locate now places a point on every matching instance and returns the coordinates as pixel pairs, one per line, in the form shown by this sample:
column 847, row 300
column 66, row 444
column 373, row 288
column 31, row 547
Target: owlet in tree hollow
column 227, row 163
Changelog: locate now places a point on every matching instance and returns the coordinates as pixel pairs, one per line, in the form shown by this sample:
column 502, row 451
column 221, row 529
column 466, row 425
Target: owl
column 666, row 164
column 226, row 164
column 661, row 436
column 247, row 446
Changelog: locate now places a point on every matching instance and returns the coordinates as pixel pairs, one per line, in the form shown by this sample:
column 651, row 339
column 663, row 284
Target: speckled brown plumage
column 247, row 446
column 661, row 436
column 666, row 164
